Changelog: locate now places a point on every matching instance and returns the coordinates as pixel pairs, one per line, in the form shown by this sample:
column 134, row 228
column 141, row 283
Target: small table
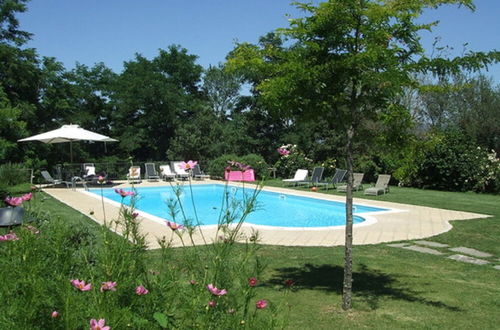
column 76, row 180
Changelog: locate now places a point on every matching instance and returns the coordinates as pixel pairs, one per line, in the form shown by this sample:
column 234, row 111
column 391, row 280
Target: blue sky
column 112, row 31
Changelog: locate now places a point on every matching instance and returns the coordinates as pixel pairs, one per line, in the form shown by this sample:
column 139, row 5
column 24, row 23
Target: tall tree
column 151, row 97
column 222, row 90
column 9, row 24
column 348, row 61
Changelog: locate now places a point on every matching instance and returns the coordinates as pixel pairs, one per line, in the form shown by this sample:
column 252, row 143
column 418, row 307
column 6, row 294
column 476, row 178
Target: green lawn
column 393, row 288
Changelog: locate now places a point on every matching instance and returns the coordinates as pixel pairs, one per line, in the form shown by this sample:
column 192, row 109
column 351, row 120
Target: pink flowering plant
column 83, row 275
column 290, row 159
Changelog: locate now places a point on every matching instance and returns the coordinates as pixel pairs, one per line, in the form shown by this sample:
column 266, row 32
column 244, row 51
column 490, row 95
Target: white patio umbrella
column 68, row 133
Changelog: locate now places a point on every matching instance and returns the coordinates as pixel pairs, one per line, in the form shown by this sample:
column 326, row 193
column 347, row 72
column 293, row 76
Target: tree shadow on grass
column 368, row 284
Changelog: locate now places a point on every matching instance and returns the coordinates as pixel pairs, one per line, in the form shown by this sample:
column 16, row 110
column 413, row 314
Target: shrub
column 450, row 162
column 13, row 174
column 291, row 159
column 203, row 287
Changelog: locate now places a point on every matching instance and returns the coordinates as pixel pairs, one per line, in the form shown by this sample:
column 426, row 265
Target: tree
column 150, row 99
column 222, row 90
column 347, row 62
column 9, row 32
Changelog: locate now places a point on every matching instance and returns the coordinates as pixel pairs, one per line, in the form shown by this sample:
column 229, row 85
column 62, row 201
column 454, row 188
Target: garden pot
column 10, row 216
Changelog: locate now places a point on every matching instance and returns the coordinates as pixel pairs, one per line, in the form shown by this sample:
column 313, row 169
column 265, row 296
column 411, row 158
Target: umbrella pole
column 71, row 151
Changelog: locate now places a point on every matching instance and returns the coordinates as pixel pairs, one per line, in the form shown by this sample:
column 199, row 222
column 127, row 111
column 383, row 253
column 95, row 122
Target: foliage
column 14, row 174
column 290, row 161
column 222, row 90
column 450, row 162
column 463, row 103
column 372, row 49
column 123, row 286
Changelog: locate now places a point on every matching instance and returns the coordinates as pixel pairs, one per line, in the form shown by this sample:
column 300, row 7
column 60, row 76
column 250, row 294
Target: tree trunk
column 347, row 288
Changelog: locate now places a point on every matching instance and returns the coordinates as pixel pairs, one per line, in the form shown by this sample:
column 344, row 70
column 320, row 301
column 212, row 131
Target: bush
column 450, row 162
column 291, row 160
column 217, row 166
column 14, row 174
column 175, row 294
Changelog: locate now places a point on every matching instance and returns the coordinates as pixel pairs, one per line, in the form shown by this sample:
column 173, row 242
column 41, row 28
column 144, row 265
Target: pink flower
column 289, row 283
column 140, row 290
column 283, row 151
column 108, row 286
column 252, row 281
column 14, row 201
column 135, row 215
column 212, row 303
column 261, row 304
column 174, row 226
column 188, row 166
column 81, row 285
column 9, row 237
column 216, row 292
column 98, row 325
column 27, row 197
column 55, row 314
column 124, row 193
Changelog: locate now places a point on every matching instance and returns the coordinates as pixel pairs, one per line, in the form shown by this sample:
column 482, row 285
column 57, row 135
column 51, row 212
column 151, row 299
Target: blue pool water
column 273, row 209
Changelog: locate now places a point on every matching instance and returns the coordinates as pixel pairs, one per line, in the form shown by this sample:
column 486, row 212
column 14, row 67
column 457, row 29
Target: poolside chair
column 134, row 174
column 166, row 173
column 198, row 173
column 300, row 175
column 356, row 184
column 151, row 174
column 316, row 176
column 47, row 177
column 88, row 172
column 180, row 173
column 381, row 186
column 337, row 178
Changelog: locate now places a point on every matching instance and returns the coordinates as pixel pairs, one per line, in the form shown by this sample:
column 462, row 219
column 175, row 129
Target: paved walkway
column 465, row 254
column 403, row 222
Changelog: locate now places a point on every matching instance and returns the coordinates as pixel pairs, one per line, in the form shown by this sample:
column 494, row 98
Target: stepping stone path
column 470, row 260
column 432, row 244
column 457, row 257
column 423, row 250
column 400, row 245
column 472, row 252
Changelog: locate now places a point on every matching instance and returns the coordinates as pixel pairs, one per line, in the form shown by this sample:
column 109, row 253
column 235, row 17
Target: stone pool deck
column 403, row 222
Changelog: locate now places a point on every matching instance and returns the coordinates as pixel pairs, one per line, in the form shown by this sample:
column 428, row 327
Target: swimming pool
column 274, row 209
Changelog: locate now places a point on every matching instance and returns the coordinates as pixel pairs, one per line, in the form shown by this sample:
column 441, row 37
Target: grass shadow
column 368, row 284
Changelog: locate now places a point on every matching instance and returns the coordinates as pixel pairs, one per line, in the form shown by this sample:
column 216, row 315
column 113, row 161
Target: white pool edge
column 370, row 217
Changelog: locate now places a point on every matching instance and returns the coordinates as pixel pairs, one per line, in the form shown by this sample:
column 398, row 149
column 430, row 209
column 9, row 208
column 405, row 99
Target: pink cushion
column 248, row 175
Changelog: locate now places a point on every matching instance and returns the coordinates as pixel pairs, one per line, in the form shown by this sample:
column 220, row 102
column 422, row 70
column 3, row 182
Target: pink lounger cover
column 248, row 175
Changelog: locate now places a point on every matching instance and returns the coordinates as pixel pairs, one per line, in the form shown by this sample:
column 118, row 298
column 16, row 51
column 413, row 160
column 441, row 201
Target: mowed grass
column 393, row 288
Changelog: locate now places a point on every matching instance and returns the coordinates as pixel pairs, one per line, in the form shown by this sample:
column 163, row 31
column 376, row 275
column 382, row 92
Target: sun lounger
column 198, row 174
column 381, row 186
column 48, row 178
column 356, row 185
column 337, row 178
column 151, row 174
column 300, row 175
column 180, row 173
column 166, row 173
column 316, row 176
column 134, row 174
